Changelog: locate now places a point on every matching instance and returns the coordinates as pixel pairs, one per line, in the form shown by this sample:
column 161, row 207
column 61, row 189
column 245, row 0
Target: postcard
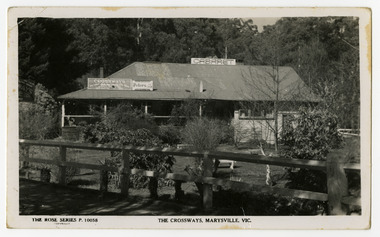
column 189, row 118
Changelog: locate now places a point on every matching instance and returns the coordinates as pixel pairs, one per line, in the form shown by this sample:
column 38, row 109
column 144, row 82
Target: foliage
column 44, row 99
column 169, row 134
column 315, row 133
column 188, row 110
column 310, row 136
column 202, row 134
column 325, row 53
column 46, row 55
column 100, row 133
column 34, row 123
column 226, row 131
column 178, row 40
column 124, row 116
column 122, row 127
column 39, row 120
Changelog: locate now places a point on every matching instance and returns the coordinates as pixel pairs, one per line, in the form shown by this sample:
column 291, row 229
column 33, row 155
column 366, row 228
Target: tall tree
column 325, row 53
column 269, row 51
column 234, row 37
column 328, row 60
column 45, row 55
column 108, row 43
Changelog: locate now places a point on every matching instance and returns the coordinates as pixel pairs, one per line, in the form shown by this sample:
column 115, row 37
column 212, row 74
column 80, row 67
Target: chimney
column 101, row 73
column 201, row 86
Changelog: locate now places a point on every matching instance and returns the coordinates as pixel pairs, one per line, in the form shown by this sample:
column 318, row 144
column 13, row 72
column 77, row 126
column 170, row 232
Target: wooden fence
column 334, row 168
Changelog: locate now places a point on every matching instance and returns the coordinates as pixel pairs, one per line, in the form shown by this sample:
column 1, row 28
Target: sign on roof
column 142, row 85
column 119, row 84
column 109, row 83
column 213, row 61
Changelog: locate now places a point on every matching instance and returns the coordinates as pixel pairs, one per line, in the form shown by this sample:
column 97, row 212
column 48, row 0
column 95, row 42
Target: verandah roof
column 174, row 81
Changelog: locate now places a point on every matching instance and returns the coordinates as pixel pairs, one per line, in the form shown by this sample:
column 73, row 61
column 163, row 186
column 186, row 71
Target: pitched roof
column 174, row 81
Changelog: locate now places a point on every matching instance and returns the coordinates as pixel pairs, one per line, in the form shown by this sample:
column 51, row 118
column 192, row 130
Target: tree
column 45, row 55
column 325, row 53
column 108, row 43
column 269, row 51
column 233, row 37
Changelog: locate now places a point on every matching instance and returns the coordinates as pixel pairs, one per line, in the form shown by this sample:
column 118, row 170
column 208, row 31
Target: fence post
column 125, row 173
column 207, row 188
column 25, row 155
column 153, row 186
column 103, row 180
column 179, row 193
column 336, row 183
column 62, row 167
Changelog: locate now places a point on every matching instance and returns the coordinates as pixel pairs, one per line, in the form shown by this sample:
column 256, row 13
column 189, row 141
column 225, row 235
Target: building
column 241, row 94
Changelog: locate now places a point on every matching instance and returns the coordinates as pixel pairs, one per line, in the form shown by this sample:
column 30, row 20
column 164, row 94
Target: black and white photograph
column 194, row 118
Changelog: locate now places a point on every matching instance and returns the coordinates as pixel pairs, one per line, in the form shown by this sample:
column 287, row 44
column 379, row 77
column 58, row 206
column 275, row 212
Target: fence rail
column 349, row 132
column 334, row 168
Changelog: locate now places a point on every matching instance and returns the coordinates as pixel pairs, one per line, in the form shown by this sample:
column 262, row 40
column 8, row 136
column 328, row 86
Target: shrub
column 188, row 110
column 44, row 99
column 142, row 137
column 169, row 134
column 315, row 133
column 202, row 134
column 35, row 123
column 97, row 133
column 124, row 116
column 125, row 126
column 226, row 132
column 311, row 136
column 39, row 120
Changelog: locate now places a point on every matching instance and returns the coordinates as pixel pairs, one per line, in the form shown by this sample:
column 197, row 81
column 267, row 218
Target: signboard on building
column 109, row 83
column 213, row 61
column 142, row 85
column 119, row 84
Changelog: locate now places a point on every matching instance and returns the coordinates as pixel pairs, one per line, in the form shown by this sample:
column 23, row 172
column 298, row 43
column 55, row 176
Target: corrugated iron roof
column 174, row 81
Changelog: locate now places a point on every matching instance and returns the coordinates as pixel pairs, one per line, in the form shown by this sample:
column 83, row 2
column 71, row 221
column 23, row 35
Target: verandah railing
column 334, row 167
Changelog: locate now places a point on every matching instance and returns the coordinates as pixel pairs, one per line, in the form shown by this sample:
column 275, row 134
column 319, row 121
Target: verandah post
column 63, row 114
column 337, row 186
column 62, row 167
column 207, row 188
column 125, row 173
